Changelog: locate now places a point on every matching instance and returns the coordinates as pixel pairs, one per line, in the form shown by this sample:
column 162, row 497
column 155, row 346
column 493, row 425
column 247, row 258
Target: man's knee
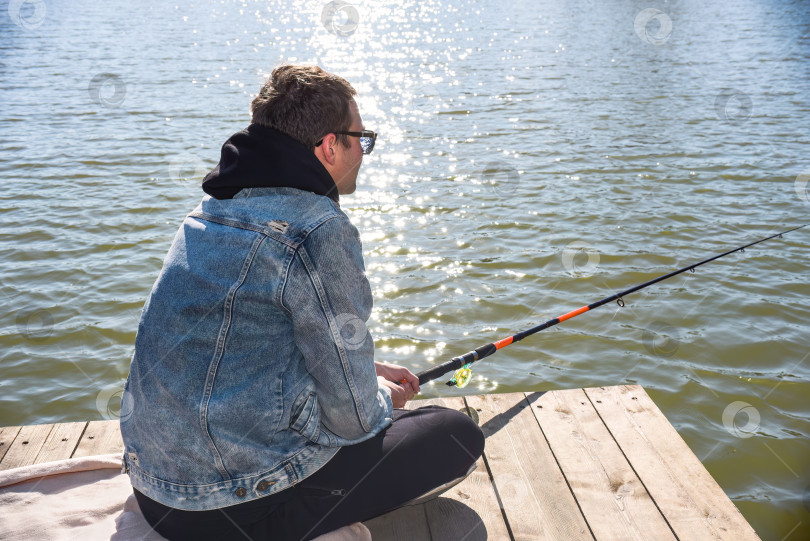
column 462, row 437
column 467, row 434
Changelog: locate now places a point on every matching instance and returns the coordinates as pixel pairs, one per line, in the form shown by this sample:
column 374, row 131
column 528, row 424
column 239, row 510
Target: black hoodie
column 260, row 157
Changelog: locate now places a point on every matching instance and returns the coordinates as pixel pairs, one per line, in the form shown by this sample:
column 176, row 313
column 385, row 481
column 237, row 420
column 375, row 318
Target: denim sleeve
column 329, row 300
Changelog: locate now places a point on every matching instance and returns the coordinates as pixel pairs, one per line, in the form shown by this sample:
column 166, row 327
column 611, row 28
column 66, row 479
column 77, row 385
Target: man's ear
column 326, row 151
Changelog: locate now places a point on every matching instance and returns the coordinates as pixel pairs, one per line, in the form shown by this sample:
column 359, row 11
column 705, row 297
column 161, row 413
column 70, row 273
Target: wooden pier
column 600, row 463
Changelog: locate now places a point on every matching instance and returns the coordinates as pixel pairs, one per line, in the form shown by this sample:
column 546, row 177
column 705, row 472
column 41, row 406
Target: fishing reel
column 461, row 377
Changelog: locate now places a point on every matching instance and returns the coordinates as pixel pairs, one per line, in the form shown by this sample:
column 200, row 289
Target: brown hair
column 304, row 102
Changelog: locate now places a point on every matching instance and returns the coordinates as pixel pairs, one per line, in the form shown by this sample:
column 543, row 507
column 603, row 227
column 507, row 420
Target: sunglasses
column 367, row 138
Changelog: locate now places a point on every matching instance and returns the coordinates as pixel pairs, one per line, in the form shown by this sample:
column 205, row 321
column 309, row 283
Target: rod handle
column 455, row 363
column 438, row 371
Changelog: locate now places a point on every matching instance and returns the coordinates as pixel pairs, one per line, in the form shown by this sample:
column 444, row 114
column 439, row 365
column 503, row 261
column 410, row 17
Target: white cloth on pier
column 86, row 498
column 74, row 498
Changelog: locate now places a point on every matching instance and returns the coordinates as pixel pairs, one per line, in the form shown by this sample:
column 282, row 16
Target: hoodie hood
column 260, row 157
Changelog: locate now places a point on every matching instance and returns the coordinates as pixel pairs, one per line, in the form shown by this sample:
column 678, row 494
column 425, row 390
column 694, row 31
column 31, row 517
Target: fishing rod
column 461, row 364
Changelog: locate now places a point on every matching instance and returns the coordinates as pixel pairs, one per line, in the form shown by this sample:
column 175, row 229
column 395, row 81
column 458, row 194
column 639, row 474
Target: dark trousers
column 422, row 449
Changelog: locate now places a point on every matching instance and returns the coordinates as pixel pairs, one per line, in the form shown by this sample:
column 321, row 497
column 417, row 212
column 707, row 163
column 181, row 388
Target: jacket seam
column 233, row 481
column 296, row 249
column 286, row 279
column 312, row 410
column 243, row 225
column 219, row 352
column 202, row 215
column 344, row 361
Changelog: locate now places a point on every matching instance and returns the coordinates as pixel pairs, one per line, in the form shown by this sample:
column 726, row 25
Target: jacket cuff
column 388, row 404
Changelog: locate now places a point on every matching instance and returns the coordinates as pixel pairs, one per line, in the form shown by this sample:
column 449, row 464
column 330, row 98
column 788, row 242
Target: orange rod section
column 576, row 312
column 503, row 343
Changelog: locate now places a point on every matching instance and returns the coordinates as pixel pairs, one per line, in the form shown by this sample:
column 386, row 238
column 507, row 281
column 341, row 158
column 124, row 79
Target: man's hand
column 399, row 394
column 402, row 383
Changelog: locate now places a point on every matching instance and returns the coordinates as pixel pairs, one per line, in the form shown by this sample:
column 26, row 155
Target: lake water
column 533, row 157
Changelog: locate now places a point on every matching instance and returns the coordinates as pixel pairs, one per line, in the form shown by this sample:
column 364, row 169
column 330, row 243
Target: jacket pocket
column 306, row 418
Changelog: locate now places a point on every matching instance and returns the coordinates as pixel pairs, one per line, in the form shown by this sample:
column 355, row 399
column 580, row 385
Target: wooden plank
column 7, row 435
column 410, row 523
column 613, row 500
column 407, row 522
column 533, row 492
column 693, row 503
column 26, row 446
column 624, row 465
column 61, row 442
column 100, row 438
column 469, row 510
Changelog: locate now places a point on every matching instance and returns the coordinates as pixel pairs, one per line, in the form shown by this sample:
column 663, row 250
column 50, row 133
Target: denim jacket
column 252, row 363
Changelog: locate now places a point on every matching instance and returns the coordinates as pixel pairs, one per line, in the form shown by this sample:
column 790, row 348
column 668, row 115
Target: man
column 254, row 406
